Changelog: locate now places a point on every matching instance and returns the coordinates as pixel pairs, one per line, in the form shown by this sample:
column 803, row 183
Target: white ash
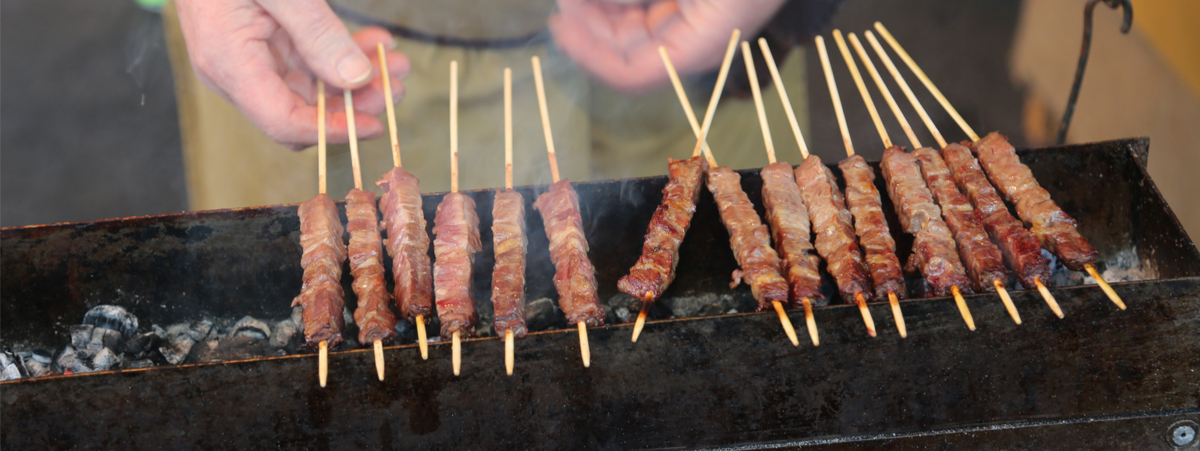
column 251, row 328
column 9, row 369
column 112, row 317
column 1124, row 266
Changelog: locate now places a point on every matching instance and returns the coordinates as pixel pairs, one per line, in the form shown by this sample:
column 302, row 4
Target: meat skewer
column 1020, row 248
column 509, row 242
column 790, row 224
column 321, row 231
column 934, row 252
column 981, row 258
column 867, row 208
column 456, row 230
column 1052, row 226
column 655, row 268
column 374, row 317
column 574, row 275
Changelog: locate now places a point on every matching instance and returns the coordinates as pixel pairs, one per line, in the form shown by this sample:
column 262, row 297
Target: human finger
column 322, row 41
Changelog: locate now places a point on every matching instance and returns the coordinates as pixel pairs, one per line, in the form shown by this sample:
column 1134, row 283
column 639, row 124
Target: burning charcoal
column 286, row 334
column 143, row 363
column 542, row 314
column 143, row 343
column 70, row 360
column 103, row 337
column 81, row 335
column 251, row 328
column 112, row 317
column 178, row 349
column 105, row 360
column 9, row 370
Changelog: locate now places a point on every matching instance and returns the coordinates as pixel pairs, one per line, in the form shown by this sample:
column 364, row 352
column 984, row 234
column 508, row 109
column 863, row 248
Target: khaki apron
column 598, row 133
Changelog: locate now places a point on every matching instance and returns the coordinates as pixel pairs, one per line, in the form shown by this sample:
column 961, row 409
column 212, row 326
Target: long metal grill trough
column 1097, row 378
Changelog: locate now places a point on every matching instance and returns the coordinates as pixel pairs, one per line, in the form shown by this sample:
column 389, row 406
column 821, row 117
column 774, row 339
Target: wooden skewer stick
column 456, row 347
column 962, row 307
column 323, row 357
column 379, row 358
column 1050, row 301
column 912, row 65
column 509, row 351
column 783, row 96
column 391, row 109
column 1108, row 290
column 509, row 345
column 897, row 315
column 866, row 313
column 1008, row 303
column 422, row 337
column 912, row 98
column 585, row 352
column 810, row 322
column 887, row 93
column 353, row 137
column 323, row 363
column 358, row 185
column 766, row 132
column 456, row 352
column 683, row 99
column 641, row 318
column 862, row 89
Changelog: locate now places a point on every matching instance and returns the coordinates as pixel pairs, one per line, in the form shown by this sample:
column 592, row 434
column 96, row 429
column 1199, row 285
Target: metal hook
column 1126, row 24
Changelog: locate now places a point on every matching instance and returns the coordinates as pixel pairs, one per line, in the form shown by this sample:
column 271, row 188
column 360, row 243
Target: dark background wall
column 89, row 129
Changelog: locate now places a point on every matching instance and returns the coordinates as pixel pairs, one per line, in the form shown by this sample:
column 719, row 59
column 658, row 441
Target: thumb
column 322, row 41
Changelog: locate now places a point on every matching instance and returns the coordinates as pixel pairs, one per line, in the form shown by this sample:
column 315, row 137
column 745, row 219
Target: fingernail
column 354, row 68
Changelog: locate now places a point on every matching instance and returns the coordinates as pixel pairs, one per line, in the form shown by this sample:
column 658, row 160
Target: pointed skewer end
column 323, row 363
column 1108, row 290
column 456, row 353
column 1048, row 297
column 787, row 323
column 897, row 314
column 962, row 308
column 422, row 338
column 509, row 359
column 379, row 358
column 584, row 351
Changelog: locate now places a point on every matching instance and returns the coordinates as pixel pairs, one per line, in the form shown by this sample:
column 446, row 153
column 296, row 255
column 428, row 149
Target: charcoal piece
column 81, row 335
column 252, row 328
column 72, row 361
column 298, row 316
column 105, row 360
column 103, row 337
column 543, row 314
column 200, row 330
column 234, row 347
column 622, row 314
column 9, row 370
column 348, row 316
column 143, row 343
column 406, row 330
column 141, row 363
column 112, row 317
column 177, row 350
column 38, row 369
column 286, row 335
column 700, row 305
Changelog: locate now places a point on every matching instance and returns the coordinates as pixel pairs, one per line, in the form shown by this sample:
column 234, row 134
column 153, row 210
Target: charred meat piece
column 655, row 269
column 574, row 275
column 374, row 316
column 324, row 252
column 749, row 238
column 790, row 226
column 831, row 222
column 934, row 253
column 456, row 231
column 873, row 234
column 1021, row 249
column 1053, row 227
column 983, row 260
column 407, row 243
column 508, row 277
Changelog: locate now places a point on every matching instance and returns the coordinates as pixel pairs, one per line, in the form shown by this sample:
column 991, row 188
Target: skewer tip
column 1050, row 301
column 1108, row 290
column 786, row 322
column 866, row 313
column 1008, row 303
column 323, row 363
column 422, row 337
column 962, row 307
column 509, row 350
column 584, row 350
column 641, row 318
column 456, row 353
column 379, row 359
column 810, row 322
column 898, row 315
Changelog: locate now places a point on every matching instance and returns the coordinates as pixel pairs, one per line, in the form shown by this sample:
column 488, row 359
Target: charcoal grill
column 1100, row 378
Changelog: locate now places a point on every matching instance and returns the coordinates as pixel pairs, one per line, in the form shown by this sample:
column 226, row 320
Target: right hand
column 262, row 56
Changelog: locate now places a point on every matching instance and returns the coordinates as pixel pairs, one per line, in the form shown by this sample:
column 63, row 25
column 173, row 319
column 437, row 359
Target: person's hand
column 617, row 40
column 262, row 56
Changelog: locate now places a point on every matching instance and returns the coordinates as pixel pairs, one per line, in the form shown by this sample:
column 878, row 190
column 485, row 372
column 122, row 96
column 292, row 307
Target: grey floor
column 89, row 129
